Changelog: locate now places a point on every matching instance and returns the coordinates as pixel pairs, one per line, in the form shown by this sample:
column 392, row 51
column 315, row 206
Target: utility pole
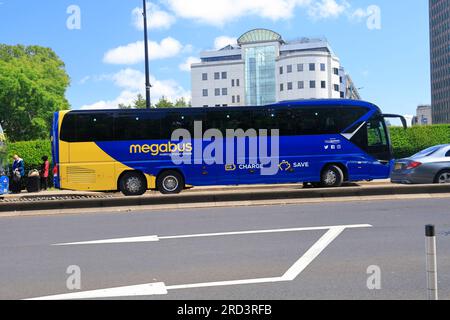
column 147, row 67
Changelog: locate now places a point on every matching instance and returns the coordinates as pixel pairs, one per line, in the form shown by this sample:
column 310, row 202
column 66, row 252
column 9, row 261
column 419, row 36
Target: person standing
column 18, row 171
column 45, row 168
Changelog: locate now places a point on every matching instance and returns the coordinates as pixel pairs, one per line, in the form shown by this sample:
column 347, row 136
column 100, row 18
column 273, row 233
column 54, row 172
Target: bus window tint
column 181, row 120
column 68, row 128
column 138, row 126
column 95, row 127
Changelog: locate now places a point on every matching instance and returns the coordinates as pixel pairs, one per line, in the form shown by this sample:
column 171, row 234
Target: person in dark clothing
column 45, row 168
column 18, row 171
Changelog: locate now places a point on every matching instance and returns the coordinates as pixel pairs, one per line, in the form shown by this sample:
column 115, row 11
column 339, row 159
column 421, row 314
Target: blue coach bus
column 321, row 142
column 4, row 181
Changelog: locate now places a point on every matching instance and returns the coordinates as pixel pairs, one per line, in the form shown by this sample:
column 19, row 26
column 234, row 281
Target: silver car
column 431, row 165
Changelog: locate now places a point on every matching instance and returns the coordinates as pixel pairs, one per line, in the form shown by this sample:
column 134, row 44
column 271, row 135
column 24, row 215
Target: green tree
column 139, row 103
column 164, row 103
column 181, row 103
column 33, row 83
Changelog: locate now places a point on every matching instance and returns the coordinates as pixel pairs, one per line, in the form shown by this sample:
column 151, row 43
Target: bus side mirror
column 402, row 119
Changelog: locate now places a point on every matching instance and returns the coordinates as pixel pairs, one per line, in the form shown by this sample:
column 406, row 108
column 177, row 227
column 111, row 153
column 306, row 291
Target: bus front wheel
column 170, row 182
column 133, row 184
column 332, row 176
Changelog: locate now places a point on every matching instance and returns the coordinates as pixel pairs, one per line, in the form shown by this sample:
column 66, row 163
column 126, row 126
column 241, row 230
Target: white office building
column 263, row 68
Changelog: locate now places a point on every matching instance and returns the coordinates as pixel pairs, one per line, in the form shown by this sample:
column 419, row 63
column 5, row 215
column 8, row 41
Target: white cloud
column 324, row 9
column 186, row 66
column 359, row 14
column 223, row 41
column 134, row 52
column 218, row 12
column 156, row 18
column 132, row 83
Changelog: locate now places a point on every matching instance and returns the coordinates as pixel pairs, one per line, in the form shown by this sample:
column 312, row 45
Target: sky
column 383, row 44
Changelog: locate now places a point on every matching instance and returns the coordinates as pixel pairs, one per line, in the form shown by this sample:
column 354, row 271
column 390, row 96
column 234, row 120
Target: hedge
column 31, row 152
column 408, row 142
column 405, row 143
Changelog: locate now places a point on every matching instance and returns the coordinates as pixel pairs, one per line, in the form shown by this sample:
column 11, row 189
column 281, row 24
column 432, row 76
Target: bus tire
column 332, row 176
column 133, row 184
column 170, row 182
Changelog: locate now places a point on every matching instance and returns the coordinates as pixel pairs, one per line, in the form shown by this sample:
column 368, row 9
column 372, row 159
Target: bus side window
column 376, row 134
column 95, row 127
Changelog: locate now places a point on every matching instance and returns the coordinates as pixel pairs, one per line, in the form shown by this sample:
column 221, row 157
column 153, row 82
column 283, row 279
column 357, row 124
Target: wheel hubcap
column 170, row 183
column 330, row 178
column 444, row 178
column 134, row 184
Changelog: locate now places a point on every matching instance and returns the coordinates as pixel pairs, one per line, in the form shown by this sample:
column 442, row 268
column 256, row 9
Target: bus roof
column 292, row 103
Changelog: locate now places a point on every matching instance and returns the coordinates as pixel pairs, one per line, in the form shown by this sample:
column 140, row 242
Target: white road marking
column 161, row 289
column 312, row 253
column 113, row 241
column 148, row 289
column 157, row 238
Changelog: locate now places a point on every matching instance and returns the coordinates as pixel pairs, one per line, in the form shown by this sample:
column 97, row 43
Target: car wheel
column 133, row 184
column 332, row 176
column 170, row 182
column 443, row 177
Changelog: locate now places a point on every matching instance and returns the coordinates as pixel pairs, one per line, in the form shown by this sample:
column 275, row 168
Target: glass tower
column 260, row 82
column 440, row 60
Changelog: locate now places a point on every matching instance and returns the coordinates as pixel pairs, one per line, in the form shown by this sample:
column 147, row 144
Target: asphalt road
column 31, row 266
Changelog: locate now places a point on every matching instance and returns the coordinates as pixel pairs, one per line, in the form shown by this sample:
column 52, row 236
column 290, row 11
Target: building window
column 216, row 75
column 342, row 95
column 224, row 75
column 323, row 84
column 341, row 80
column 336, row 71
column 289, row 86
column 301, row 85
column 312, row 67
column 205, row 92
column 300, row 67
column 322, row 67
column 233, row 99
column 204, row 76
column 289, row 68
column 217, row 92
column 232, row 83
column 312, row 84
column 224, row 91
column 281, row 87
column 238, row 99
column 237, row 83
column 336, row 87
column 281, row 70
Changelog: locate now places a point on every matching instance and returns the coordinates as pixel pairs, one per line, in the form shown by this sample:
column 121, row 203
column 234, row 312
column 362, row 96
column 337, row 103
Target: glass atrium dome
column 258, row 36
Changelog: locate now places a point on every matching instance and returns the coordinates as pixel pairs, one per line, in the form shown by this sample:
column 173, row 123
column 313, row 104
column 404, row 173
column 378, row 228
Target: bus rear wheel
column 170, row 182
column 332, row 176
column 133, row 184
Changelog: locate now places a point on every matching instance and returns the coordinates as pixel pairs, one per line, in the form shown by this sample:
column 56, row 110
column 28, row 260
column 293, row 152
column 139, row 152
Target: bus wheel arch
column 132, row 183
column 337, row 171
column 170, row 181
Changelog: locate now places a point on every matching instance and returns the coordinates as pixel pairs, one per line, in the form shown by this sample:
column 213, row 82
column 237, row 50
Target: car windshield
column 427, row 152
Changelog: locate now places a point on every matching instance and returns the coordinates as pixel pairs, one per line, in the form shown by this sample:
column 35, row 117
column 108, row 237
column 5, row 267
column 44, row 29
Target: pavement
column 308, row 251
column 210, row 197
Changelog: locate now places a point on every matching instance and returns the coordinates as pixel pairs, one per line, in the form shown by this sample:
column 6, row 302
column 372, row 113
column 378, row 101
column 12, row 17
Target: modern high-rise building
column 440, row 60
column 423, row 116
column 263, row 68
